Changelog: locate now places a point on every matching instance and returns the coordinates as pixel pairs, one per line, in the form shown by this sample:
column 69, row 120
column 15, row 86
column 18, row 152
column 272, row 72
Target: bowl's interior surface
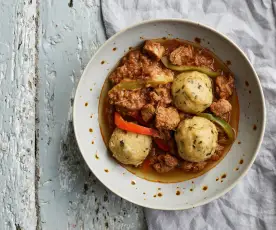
column 177, row 195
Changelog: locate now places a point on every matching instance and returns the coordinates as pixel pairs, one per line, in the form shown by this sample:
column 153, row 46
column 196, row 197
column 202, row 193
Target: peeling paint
column 17, row 116
column 68, row 39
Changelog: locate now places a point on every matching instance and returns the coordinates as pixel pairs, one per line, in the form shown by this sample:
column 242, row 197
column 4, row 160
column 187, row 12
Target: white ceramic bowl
column 117, row 178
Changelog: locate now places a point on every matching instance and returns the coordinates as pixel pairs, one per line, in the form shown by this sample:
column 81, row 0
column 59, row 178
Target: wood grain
column 70, row 197
column 17, row 115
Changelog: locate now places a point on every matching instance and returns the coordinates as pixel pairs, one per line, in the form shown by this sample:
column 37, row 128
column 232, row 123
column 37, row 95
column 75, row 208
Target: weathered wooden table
column 45, row 183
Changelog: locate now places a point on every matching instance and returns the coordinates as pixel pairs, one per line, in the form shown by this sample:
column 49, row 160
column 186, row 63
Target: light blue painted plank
column 70, row 196
column 17, row 115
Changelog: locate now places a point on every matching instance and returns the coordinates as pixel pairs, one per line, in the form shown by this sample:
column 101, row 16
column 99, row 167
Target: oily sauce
column 145, row 171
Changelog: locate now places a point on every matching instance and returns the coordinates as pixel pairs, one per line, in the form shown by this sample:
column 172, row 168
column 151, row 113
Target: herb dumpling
column 196, row 139
column 129, row 148
column 192, row 92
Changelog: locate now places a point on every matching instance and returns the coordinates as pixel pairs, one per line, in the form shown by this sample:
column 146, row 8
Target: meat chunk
column 203, row 59
column 171, row 45
column 125, row 112
column 224, row 86
column 161, row 95
column 154, row 49
column 131, row 67
column 165, row 95
column 166, row 118
column 136, row 65
column 148, row 112
column 157, row 73
column 128, row 99
column 221, row 107
column 192, row 166
column 154, row 97
column 165, row 134
column 133, row 57
column 164, row 163
column 183, row 55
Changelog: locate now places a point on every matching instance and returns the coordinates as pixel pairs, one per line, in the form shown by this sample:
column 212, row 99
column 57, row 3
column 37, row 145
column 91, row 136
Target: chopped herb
column 199, row 86
column 122, row 144
column 177, row 91
column 208, row 154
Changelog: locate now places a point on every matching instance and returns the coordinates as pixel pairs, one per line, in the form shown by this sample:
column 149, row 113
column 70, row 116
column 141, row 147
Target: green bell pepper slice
column 222, row 123
column 184, row 68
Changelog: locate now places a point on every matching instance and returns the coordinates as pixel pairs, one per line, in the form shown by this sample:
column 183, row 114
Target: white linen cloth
column 250, row 24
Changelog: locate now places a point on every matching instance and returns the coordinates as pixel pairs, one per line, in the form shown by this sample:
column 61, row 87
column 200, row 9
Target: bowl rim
column 186, row 21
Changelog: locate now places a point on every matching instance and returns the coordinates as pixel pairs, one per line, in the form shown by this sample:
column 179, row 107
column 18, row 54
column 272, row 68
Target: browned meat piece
column 183, row 55
column 156, row 72
column 192, row 166
column 154, row 49
column 221, row 107
column 165, row 134
column 154, row 97
column 125, row 112
column 129, row 99
column 166, row 118
column 136, row 65
column 171, row 45
column 161, row 95
column 165, row 95
column 224, row 86
column 164, row 163
column 133, row 57
column 203, row 59
column 131, row 67
column 218, row 153
column 148, row 112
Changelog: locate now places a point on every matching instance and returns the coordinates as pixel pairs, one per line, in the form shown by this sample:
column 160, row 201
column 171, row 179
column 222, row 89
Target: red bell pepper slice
column 161, row 144
column 132, row 127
